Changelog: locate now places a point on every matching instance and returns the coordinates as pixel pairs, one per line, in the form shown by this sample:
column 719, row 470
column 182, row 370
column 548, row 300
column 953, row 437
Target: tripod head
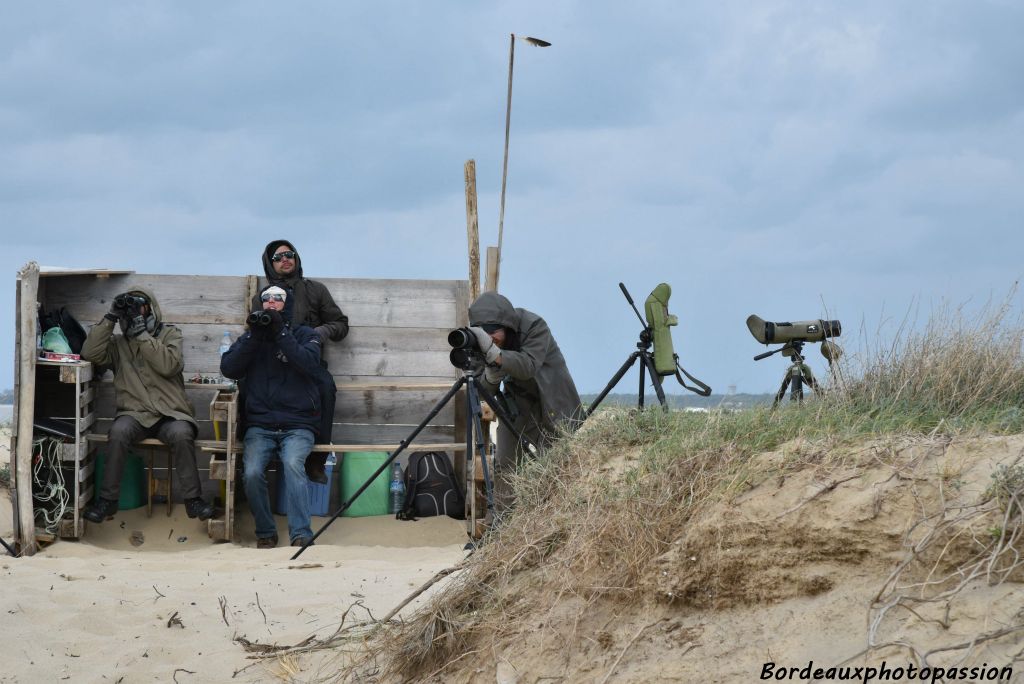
column 794, row 348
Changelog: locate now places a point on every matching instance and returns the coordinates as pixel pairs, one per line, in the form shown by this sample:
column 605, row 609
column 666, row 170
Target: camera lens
column 259, row 318
column 831, row 328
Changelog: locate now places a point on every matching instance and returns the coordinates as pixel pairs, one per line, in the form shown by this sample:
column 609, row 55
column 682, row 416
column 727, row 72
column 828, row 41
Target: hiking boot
column 302, row 541
column 197, row 508
column 99, row 510
column 315, row 471
column 266, row 542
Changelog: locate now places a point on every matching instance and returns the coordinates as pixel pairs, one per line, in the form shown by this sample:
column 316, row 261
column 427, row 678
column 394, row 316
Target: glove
column 276, row 322
column 115, row 312
column 324, row 332
column 493, row 374
column 491, row 351
column 136, row 327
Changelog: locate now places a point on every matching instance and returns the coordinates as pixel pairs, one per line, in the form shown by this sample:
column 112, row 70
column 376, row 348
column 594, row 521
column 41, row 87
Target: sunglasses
column 283, row 255
column 272, row 297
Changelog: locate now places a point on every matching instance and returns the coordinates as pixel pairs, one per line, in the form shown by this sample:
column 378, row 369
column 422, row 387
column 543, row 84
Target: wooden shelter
column 390, row 371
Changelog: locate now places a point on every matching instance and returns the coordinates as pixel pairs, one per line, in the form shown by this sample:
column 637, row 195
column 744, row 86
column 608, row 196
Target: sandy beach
column 106, row 610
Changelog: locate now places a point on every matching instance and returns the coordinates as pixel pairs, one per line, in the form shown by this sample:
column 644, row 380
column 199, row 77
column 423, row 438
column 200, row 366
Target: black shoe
column 197, row 508
column 316, row 472
column 302, row 541
column 99, row 510
column 266, row 542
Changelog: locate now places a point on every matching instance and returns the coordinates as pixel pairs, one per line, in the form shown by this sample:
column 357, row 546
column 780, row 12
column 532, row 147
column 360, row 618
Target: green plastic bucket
column 356, row 469
column 133, row 481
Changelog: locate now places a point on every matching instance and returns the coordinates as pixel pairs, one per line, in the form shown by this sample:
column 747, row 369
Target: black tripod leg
column 394, row 454
column 503, row 415
column 797, row 394
column 614, row 381
column 782, row 391
column 8, row 547
column 656, row 380
column 474, row 425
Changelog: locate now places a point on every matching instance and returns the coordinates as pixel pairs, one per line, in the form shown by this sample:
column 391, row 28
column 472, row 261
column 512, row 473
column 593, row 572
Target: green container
column 356, row 469
column 133, row 481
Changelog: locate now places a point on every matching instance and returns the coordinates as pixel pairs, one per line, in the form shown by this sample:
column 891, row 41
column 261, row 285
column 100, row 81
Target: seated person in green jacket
column 150, row 394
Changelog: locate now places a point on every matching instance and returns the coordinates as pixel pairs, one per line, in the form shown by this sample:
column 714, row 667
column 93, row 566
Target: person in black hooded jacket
column 312, row 305
column 279, row 362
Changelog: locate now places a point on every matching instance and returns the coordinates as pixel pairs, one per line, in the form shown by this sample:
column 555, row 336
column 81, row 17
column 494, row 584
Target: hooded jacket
column 531, row 358
column 279, row 371
column 313, row 304
column 148, row 382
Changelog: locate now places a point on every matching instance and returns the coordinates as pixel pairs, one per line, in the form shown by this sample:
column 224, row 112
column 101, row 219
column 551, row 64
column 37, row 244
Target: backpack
column 431, row 488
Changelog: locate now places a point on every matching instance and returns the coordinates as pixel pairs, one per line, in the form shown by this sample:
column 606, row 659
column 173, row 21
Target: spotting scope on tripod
column 663, row 361
column 794, row 336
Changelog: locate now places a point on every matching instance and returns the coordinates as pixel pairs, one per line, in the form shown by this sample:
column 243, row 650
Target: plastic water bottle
column 397, row 500
column 225, row 344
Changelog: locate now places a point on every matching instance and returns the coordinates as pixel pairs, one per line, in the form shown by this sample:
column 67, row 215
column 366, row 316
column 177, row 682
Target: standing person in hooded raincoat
column 313, row 306
column 149, row 389
column 519, row 348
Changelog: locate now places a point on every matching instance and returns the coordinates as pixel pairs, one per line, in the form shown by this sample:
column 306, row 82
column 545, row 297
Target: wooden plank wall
column 398, row 334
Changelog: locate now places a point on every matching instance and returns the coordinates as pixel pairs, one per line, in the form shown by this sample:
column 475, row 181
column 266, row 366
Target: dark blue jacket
column 280, row 393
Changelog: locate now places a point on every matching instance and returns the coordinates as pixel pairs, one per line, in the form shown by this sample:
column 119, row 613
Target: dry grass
column 580, row 532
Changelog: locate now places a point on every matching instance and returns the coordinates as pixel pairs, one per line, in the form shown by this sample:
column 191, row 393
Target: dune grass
column 578, row 531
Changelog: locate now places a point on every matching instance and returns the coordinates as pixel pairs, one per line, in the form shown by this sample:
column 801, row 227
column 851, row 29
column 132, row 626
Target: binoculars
column 259, row 318
column 129, row 301
column 465, row 353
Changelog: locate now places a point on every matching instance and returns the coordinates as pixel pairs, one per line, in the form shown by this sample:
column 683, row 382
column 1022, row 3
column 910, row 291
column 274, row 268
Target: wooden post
column 25, row 344
column 472, row 231
column 492, row 269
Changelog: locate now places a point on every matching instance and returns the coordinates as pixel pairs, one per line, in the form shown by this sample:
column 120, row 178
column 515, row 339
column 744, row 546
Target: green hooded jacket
column 148, row 382
column 531, row 360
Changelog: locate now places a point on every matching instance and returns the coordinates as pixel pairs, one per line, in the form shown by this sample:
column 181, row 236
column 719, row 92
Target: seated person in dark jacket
column 282, row 410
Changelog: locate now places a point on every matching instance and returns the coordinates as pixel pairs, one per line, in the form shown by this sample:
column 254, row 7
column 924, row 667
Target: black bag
column 431, row 488
column 73, row 331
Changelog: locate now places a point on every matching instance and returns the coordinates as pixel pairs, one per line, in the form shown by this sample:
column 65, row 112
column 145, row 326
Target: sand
column 100, row 609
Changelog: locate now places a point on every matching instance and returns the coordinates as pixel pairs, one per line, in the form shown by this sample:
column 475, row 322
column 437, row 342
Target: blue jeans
column 262, row 445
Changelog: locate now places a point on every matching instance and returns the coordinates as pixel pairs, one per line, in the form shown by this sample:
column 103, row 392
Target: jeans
column 178, row 435
column 262, row 445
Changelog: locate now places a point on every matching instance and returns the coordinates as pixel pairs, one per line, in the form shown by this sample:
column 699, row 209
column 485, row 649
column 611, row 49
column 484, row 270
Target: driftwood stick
column 429, row 583
column 623, row 652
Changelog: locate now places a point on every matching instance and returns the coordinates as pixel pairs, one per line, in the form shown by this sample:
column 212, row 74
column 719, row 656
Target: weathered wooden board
column 394, row 303
column 182, row 298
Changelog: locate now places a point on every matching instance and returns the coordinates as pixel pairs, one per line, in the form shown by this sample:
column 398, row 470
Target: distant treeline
column 7, row 396
column 683, row 400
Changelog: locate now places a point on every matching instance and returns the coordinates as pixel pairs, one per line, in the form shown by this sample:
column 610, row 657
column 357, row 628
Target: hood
column 268, row 265
column 491, row 307
column 289, row 302
column 153, row 304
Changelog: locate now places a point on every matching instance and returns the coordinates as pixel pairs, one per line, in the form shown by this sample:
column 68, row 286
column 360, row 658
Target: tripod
column 798, row 373
column 647, row 365
column 475, row 438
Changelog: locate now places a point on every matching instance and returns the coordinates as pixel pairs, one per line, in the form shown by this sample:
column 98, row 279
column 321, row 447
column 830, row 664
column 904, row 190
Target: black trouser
column 328, row 395
column 178, row 435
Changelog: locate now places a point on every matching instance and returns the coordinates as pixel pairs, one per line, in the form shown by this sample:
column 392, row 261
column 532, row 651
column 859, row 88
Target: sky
column 790, row 159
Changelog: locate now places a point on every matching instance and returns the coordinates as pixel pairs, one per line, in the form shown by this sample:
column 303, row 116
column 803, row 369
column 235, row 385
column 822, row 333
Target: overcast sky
column 789, row 159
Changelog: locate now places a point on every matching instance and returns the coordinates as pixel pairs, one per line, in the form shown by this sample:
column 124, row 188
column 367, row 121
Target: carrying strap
column 704, row 390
